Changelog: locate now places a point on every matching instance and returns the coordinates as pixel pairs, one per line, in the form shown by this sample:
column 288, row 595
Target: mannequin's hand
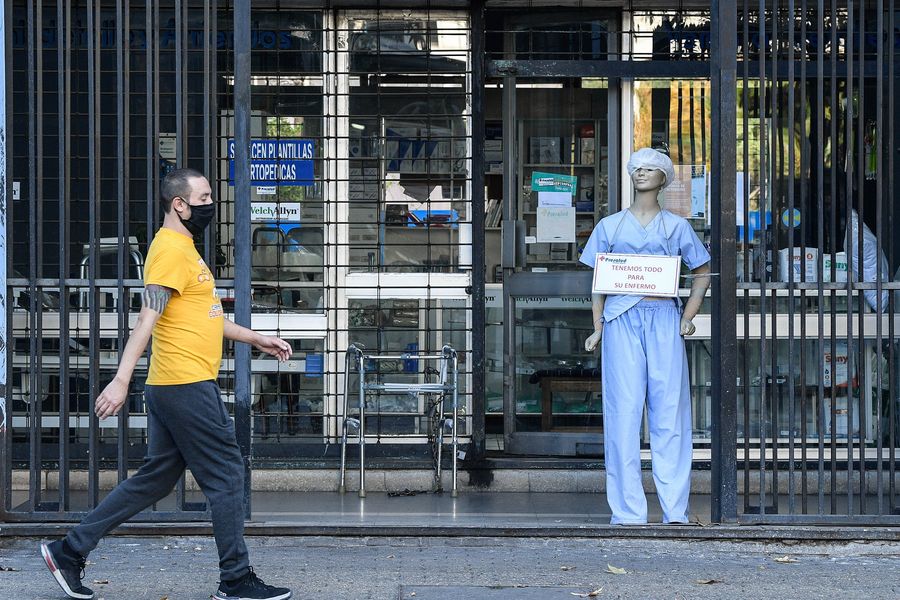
column 687, row 327
column 593, row 340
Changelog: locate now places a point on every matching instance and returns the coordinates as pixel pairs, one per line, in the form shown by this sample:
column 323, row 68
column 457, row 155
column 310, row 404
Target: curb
column 806, row 534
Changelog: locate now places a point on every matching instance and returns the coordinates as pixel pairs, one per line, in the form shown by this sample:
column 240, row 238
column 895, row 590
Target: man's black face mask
column 201, row 216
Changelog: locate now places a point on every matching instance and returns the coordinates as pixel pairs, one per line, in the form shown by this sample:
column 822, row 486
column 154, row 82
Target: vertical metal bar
column 477, row 448
column 613, row 121
column 848, row 144
column 804, row 203
column 64, row 63
column 213, row 122
column 5, row 405
column 180, row 159
column 508, row 258
column 879, row 199
column 724, row 307
column 154, row 213
column 180, row 90
column 789, row 25
column 748, row 272
column 820, row 238
column 149, row 72
column 454, row 488
column 835, row 161
column 37, row 217
column 861, row 182
column 151, row 99
column 34, row 376
column 362, row 423
column 208, row 166
column 94, row 187
column 893, row 390
column 763, row 205
column 776, row 165
column 242, row 259
column 122, row 196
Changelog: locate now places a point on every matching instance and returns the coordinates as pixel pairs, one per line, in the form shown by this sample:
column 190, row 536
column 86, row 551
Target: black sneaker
column 67, row 567
column 250, row 587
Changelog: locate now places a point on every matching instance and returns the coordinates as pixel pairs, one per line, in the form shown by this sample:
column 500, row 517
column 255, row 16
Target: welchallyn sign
column 281, row 212
column 277, row 162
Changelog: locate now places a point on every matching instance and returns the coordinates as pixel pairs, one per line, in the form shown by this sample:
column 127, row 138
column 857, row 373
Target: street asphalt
column 456, row 568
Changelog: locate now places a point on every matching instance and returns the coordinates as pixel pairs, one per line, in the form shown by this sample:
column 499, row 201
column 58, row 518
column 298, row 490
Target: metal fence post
column 242, row 232
column 478, row 238
column 4, row 419
column 723, row 187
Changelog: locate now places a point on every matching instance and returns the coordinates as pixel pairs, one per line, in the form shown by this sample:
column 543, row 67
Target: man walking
column 187, row 423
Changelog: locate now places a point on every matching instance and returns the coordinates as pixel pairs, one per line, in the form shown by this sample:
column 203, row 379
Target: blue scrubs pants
column 644, row 359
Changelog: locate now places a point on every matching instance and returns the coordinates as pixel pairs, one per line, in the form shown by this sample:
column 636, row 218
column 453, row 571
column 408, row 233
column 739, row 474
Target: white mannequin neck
column 646, row 202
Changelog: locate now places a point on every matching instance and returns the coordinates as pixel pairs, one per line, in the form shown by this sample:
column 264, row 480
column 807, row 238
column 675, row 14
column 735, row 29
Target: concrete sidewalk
column 424, row 568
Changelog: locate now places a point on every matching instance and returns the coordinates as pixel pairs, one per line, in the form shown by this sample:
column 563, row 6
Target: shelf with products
column 571, row 151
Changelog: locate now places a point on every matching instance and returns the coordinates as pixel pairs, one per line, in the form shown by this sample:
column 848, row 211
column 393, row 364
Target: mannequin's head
column 650, row 170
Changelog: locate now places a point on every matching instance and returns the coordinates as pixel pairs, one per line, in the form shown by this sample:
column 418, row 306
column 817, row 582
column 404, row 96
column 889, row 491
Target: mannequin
column 643, row 353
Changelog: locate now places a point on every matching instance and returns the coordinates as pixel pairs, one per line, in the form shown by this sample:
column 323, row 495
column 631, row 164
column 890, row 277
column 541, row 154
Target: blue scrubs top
column 621, row 233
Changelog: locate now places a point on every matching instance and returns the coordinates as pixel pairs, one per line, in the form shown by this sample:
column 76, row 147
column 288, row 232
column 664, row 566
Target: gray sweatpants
column 187, row 426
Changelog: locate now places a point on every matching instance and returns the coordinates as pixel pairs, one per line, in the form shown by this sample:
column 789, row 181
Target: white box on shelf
column 493, row 151
column 798, row 260
column 586, row 154
column 840, row 265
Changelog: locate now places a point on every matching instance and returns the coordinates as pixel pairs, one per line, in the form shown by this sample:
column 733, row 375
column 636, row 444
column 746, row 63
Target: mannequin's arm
column 591, row 343
column 692, row 307
column 597, row 310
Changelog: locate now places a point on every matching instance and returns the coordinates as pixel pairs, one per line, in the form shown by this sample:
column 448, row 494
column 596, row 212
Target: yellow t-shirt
column 187, row 339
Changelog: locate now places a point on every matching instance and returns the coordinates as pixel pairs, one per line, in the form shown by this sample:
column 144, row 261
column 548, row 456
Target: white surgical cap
column 648, row 158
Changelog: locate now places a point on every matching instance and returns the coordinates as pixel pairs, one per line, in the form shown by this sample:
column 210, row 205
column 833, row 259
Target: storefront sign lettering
column 277, row 162
column 553, row 182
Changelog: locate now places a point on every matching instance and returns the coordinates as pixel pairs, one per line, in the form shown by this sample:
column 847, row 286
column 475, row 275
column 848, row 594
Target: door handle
column 512, row 252
column 521, row 249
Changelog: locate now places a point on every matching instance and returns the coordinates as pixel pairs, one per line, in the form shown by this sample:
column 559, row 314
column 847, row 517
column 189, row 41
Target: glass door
column 555, row 189
column 550, row 151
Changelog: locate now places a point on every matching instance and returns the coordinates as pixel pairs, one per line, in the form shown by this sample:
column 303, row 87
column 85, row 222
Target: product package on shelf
column 544, row 150
column 802, row 261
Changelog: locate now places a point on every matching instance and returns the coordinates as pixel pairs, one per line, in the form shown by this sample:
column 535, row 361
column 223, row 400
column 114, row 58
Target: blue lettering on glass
column 277, row 162
column 137, row 38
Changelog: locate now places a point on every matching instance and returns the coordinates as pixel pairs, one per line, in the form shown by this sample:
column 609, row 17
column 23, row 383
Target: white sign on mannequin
column 636, row 274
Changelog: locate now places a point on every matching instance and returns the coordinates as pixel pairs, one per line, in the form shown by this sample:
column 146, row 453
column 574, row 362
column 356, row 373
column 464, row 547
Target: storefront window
column 287, row 163
column 409, row 141
column 540, row 34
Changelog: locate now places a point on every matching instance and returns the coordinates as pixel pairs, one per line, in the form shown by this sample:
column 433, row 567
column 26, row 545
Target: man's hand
column 111, row 399
column 687, row 326
column 593, row 340
column 274, row 346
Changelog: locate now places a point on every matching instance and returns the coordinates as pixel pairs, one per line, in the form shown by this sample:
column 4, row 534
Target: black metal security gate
column 817, row 262
column 81, row 208
column 805, row 378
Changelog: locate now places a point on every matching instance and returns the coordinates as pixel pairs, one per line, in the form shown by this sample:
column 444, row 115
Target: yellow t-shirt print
column 187, row 339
